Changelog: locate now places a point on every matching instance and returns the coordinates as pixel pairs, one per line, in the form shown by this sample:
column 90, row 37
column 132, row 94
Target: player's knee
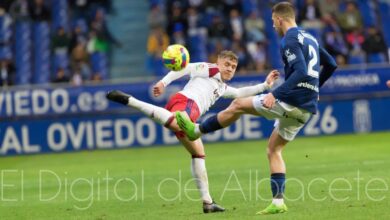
column 236, row 106
column 272, row 151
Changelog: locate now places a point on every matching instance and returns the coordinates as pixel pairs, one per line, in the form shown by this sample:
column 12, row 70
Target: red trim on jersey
column 213, row 71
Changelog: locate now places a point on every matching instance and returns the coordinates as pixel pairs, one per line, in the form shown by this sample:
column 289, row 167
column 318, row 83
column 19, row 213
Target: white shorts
column 289, row 119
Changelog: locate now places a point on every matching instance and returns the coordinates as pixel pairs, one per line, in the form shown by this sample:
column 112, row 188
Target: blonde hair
column 284, row 10
column 228, row 54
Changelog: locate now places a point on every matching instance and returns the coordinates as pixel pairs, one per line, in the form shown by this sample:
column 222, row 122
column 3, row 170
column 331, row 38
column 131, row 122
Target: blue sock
column 211, row 124
column 277, row 184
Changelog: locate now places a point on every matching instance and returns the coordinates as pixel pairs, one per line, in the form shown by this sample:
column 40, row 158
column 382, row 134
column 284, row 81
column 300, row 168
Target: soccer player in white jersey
column 207, row 84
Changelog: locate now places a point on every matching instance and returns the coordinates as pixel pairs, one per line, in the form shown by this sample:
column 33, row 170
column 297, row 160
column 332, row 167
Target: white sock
column 158, row 114
column 197, row 129
column 198, row 168
column 277, row 202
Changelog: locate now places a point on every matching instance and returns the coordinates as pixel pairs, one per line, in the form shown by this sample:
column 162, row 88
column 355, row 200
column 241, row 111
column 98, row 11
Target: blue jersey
column 302, row 57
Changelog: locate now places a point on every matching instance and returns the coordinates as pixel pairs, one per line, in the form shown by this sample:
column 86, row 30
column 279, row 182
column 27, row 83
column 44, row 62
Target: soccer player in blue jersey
column 291, row 104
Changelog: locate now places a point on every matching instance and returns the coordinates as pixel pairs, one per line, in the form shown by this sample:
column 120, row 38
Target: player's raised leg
column 223, row 119
column 158, row 114
column 278, row 172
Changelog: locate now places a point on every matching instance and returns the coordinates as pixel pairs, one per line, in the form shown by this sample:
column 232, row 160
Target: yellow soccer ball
column 176, row 57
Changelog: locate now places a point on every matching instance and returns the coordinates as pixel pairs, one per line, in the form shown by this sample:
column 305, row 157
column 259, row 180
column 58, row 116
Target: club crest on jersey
column 200, row 66
column 290, row 56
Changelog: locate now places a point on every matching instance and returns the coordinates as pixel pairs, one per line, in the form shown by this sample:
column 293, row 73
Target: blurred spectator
column 218, row 31
column 329, row 7
column 254, row 26
column 19, row 10
column 157, row 17
column 158, row 40
column 60, row 42
column 83, row 68
column 229, row 5
column 96, row 77
column 176, row 17
column 355, row 41
column 236, row 28
column 79, row 54
column 77, row 79
column 39, row 11
column 310, row 15
column 103, row 36
column 341, row 60
column 178, row 36
column 60, row 76
column 195, row 3
column 215, row 50
column 7, row 73
column 105, row 4
column 195, row 19
column 333, row 38
column 78, row 37
column 5, row 4
column 258, row 55
column 374, row 42
column 351, row 18
column 79, row 9
column 243, row 59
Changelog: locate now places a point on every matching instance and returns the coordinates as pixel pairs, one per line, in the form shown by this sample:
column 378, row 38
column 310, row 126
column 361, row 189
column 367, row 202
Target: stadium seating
column 5, row 38
column 23, row 48
column 41, row 54
column 60, row 16
column 99, row 64
column 376, row 58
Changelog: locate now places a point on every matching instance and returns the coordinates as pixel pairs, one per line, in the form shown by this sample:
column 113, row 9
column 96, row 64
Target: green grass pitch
column 333, row 177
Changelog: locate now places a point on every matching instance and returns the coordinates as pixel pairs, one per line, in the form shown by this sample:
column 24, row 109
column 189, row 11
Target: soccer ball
column 176, row 57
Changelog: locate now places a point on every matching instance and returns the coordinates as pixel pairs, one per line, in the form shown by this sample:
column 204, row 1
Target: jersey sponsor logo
column 290, row 56
column 308, row 86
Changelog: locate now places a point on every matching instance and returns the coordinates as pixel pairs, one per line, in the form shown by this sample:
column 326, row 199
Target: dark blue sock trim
column 278, row 184
column 211, row 124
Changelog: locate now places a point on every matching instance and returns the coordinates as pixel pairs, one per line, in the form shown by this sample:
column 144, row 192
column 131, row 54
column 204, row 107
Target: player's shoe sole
column 273, row 209
column 118, row 96
column 212, row 207
column 187, row 126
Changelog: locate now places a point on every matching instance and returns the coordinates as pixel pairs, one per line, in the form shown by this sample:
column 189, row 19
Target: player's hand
column 388, row 83
column 269, row 100
column 272, row 77
column 158, row 89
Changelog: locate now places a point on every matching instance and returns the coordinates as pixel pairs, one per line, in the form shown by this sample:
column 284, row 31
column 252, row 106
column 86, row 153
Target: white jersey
column 206, row 86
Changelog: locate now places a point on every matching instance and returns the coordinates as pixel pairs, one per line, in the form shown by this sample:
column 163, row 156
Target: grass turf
column 333, row 177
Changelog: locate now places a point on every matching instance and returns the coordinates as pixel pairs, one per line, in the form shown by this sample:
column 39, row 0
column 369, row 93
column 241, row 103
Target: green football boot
column 187, row 126
column 273, row 209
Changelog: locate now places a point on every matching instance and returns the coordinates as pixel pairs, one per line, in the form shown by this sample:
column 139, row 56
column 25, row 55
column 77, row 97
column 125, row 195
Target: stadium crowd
column 68, row 40
column 207, row 27
column 54, row 41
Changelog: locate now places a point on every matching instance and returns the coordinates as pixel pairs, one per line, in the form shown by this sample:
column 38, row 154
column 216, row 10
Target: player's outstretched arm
column 252, row 90
column 328, row 66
